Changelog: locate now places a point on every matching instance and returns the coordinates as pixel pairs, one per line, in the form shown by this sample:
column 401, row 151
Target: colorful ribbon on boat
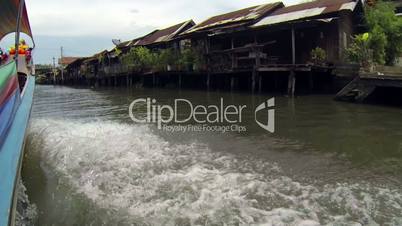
column 9, row 97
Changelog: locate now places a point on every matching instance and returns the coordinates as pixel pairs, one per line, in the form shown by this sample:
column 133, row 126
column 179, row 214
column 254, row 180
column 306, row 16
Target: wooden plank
column 382, row 82
column 243, row 48
column 262, row 69
column 345, row 92
column 284, row 68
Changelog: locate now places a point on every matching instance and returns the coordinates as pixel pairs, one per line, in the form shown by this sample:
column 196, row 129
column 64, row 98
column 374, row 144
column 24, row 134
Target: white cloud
column 122, row 17
column 84, row 27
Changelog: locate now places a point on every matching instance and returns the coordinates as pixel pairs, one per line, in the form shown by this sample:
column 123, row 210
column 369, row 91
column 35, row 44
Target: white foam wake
column 128, row 168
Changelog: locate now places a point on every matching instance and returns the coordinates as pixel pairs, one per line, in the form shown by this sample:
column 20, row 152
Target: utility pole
column 61, row 64
column 54, row 70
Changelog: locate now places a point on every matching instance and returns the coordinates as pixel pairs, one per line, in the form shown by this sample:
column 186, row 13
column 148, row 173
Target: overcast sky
column 85, row 27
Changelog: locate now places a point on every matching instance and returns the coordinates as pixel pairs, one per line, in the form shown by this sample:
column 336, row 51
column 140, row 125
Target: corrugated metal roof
column 163, row 35
column 96, row 56
column 77, row 61
column 239, row 16
column 123, row 44
column 307, row 10
column 67, row 60
column 157, row 36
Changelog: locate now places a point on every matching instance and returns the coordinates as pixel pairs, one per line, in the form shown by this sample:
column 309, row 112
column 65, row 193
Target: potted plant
column 359, row 51
column 318, row 56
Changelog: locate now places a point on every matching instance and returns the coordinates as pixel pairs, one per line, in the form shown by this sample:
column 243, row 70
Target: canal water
column 328, row 163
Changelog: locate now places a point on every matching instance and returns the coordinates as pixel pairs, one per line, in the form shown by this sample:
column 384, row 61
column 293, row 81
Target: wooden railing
column 113, row 70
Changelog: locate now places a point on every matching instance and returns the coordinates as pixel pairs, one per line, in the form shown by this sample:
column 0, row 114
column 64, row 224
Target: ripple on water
column 130, row 169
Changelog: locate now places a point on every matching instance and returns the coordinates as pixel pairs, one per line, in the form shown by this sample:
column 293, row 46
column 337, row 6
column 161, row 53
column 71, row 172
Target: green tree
column 139, row 59
column 190, row 57
column 166, row 57
column 385, row 30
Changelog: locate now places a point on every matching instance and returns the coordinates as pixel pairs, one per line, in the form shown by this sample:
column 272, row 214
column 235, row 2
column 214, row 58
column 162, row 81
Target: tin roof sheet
column 163, row 35
column 239, row 16
column 307, row 10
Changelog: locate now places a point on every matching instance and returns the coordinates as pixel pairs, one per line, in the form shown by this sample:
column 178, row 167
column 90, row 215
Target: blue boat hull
column 11, row 155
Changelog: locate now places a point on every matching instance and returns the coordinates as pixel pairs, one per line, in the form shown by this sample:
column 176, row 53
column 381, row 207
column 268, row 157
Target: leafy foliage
column 187, row 58
column 190, row 58
column 318, row 55
column 117, row 51
column 385, row 30
column 359, row 50
column 102, row 58
column 139, row 59
column 165, row 58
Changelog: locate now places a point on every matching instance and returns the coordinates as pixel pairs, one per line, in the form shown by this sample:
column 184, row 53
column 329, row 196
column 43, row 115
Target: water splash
column 27, row 212
column 129, row 169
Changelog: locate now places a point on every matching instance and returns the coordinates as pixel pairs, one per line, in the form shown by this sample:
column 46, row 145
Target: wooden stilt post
column 291, row 83
column 142, row 80
column 127, row 81
column 232, row 83
column 275, row 83
column 292, row 77
column 253, row 80
column 259, row 83
column 232, row 55
column 208, row 81
column 294, row 84
column 293, row 46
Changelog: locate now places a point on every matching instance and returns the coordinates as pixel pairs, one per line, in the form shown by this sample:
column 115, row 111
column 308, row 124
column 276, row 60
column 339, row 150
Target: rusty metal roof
column 67, row 60
column 96, row 56
column 163, row 35
column 307, row 10
column 239, row 16
column 77, row 61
